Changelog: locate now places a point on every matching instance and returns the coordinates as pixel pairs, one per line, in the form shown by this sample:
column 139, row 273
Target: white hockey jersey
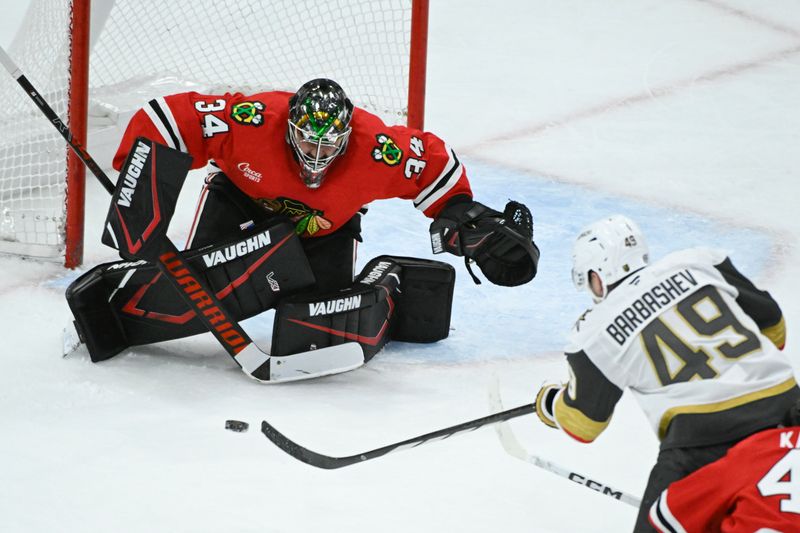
column 695, row 342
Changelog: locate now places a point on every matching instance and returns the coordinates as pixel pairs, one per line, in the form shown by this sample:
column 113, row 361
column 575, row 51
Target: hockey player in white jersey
column 694, row 340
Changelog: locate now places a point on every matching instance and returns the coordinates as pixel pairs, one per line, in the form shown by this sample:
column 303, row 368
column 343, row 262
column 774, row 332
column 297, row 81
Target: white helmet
column 613, row 248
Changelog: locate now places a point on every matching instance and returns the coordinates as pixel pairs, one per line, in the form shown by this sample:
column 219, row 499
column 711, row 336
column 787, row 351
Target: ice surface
column 683, row 115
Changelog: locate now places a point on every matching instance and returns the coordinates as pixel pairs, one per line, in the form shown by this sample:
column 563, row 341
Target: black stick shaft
column 328, row 462
column 54, row 119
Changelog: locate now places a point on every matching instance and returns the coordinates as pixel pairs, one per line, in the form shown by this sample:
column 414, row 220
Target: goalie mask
column 319, row 126
column 613, row 248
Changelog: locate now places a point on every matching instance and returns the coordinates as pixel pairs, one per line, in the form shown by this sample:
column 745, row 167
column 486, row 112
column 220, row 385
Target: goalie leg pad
column 96, row 323
column 363, row 313
column 426, row 299
column 122, row 304
column 394, row 298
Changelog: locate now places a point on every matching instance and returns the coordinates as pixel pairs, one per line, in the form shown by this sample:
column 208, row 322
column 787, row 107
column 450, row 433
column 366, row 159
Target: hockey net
column 141, row 49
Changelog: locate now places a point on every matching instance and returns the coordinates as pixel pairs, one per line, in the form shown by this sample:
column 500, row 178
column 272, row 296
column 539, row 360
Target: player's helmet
column 319, row 125
column 613, row 247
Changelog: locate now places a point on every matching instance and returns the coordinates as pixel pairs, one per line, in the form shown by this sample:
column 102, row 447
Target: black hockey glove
column 500, row 243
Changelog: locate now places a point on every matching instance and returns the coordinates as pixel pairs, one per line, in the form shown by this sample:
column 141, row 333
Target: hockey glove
column 500, row 243
column 545, row 404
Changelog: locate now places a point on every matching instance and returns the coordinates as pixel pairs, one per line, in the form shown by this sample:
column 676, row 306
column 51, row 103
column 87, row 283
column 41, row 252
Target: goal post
column 75, row 187
column 97, row 62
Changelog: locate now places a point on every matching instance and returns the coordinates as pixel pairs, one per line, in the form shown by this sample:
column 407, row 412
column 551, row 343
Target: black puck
column 236, row 425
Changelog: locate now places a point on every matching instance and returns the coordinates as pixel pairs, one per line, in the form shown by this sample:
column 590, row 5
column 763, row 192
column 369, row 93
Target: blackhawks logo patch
column 248, row 113
column 387, row 150
column 306, row 219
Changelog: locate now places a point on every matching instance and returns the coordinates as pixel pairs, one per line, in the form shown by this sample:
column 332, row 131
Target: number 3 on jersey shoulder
column 212, row 124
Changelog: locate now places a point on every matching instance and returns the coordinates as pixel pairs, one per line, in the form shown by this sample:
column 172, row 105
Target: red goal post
column 97, row 62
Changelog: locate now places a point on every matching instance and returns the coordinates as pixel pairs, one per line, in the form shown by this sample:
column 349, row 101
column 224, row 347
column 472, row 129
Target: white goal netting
column 141, row 49
column 33, row 155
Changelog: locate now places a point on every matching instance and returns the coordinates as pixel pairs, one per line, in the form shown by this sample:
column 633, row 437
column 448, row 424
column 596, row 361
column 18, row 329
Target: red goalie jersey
column 245, row 136
column 755, row 487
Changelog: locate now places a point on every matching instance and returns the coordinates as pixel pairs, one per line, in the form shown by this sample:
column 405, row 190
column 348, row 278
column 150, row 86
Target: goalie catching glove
column 500, row 243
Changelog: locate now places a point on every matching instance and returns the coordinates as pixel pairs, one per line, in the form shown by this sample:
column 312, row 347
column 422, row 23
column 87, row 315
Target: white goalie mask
column 613, row 248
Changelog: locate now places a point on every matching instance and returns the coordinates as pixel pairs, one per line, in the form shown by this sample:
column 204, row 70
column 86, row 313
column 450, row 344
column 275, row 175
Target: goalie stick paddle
column 252, row 360
column 512, row 446
column 329, row 463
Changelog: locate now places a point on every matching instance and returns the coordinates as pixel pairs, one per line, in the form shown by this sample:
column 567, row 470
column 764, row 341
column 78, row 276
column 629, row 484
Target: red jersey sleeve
column 408, row 163
column 441, row 175
column 189, row 122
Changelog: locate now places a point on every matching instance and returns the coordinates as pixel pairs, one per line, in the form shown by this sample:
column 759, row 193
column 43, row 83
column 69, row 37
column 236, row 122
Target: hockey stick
column 328, row 462
column 514, row 448
column 253, row 361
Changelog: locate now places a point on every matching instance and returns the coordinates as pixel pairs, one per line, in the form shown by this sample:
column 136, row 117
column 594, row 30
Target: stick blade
column 304, row 454
column 504, row 433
